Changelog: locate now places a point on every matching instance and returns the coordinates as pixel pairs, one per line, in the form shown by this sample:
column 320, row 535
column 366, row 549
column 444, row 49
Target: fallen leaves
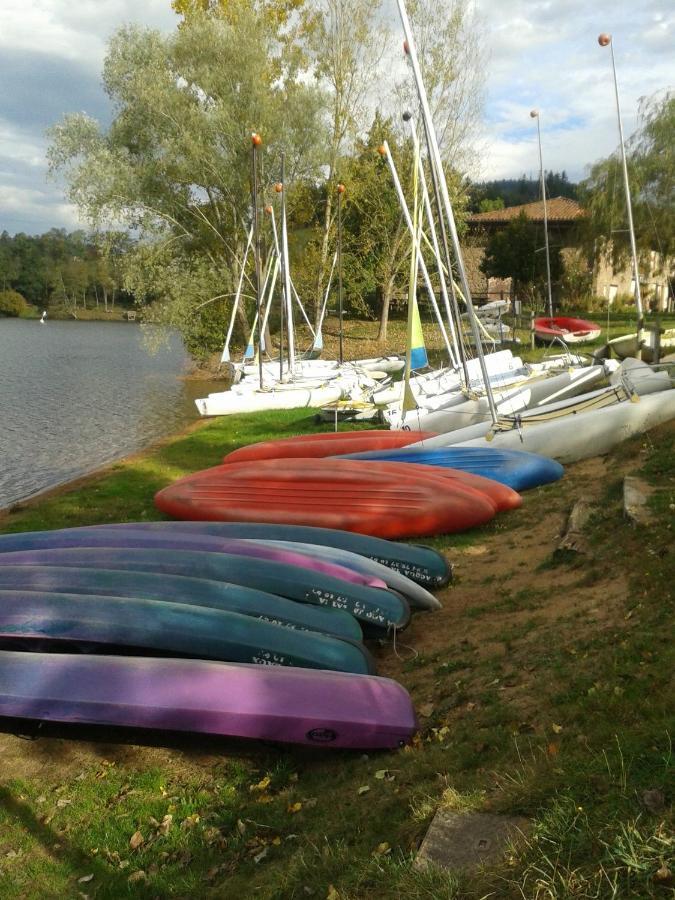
column 261, row 786
column 363, row 790
column 294, row 808
column 382, row 849
column 136, row 840
column 426, row 710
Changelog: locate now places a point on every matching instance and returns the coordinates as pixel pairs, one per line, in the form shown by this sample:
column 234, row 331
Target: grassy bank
column 542, row 687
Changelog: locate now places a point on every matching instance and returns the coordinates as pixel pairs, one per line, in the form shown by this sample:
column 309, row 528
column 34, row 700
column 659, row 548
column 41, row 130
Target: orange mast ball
column 278, row 187
column 268, row 210
column 382, row 150
column 605, row 39
column 340, row 188
column 256, row 140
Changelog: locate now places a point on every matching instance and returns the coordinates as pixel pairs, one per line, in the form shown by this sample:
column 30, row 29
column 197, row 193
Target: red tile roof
column 559, row 209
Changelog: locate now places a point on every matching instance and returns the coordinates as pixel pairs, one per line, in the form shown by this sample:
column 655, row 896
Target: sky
column 541, row 54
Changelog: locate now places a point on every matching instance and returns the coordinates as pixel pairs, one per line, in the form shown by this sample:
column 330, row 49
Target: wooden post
column 532, row 340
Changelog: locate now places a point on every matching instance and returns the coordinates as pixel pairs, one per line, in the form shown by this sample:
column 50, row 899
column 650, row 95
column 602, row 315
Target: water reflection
column 77, row 395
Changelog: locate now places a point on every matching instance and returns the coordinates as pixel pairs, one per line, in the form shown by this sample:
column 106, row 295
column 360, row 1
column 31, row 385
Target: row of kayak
column 366, row 482
column 247, row 618
column 245, row 631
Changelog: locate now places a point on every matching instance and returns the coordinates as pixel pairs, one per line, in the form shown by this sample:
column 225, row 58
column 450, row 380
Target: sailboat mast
column 436, row 162
column 605, row 40
column 286, row 273
column 340, row 192
column 535, row 115
column 256, row 141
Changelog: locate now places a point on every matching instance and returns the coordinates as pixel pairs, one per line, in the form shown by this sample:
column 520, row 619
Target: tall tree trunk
column 321, row 274
column 384, row 312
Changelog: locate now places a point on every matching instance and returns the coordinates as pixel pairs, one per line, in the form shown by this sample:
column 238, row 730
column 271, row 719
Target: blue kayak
column 515, row 468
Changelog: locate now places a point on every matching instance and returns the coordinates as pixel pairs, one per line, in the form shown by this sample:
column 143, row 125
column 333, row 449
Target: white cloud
column 75, row 30
column 546, row 55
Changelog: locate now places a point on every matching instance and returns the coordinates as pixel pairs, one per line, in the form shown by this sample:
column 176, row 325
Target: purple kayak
column 296, row 706
column 102, row 537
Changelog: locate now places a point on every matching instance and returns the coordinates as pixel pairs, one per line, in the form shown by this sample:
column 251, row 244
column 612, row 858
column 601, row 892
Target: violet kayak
column 139, row 539
column 297, row 706
column 422, row 564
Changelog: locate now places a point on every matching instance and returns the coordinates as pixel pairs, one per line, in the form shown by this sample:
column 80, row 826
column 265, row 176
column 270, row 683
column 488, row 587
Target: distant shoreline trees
column 65, row 270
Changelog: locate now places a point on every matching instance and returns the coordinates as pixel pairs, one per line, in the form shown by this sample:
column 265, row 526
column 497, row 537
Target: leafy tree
column 651, row 170
column 345, row 46
column 175, row 163
column 512, row 252
column 12, row 304
column 376, row 237
column 487, row 205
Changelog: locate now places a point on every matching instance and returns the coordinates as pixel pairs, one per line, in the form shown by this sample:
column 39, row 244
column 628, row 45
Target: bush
column 12, row 304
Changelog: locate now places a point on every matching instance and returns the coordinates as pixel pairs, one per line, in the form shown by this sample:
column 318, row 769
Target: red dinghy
column 572, row 331
column 379, row 499
column 327, row 444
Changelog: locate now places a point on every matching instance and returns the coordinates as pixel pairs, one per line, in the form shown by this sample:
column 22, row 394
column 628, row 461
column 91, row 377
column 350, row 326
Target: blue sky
column 542, row 53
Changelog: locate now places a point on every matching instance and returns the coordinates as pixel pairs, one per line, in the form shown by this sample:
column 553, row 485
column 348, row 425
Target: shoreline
column 100, row 472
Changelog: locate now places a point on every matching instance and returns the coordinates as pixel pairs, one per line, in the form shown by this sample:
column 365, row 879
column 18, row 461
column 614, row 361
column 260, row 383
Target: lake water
column 77, row 395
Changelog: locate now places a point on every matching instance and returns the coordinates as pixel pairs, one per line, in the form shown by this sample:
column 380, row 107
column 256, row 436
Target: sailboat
column 566, row 430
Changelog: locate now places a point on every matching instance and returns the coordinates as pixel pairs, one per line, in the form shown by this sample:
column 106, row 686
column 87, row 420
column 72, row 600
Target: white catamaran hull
column 230, row 403
column 626, row 345
column 585, row 434
column 533, row 393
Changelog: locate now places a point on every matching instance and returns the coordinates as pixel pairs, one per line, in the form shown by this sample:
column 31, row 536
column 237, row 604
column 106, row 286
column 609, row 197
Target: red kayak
column 379, row 499
column 502, row 496
column 572, row 331
column 327, row 444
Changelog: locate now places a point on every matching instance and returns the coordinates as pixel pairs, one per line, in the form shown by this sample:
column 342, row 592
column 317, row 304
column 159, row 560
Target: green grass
column 564, row 718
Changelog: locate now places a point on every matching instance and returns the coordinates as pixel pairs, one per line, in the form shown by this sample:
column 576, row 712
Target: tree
column 376, row 237
column 175, row 163
column 651, row 170
column 452, row 59
column 513, row 253
column 12, row 304
column 346, row 47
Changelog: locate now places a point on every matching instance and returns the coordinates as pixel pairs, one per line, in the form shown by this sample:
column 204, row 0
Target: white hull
column 592, row 433
column 533, row 393
column 578, row 428
column 231, row 403
column 626, row 345
column 569, row 337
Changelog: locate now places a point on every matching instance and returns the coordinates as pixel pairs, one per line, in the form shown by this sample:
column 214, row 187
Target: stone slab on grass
column 636, row 494
column 464, row 841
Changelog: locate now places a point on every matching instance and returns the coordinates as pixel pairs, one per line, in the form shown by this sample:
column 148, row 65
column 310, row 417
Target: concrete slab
column 465, row 841
column 636, row 493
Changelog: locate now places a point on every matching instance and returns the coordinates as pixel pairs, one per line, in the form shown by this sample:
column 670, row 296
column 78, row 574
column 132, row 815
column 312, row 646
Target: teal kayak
column 380, row 609
column 178, row 589
column 87, row 623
